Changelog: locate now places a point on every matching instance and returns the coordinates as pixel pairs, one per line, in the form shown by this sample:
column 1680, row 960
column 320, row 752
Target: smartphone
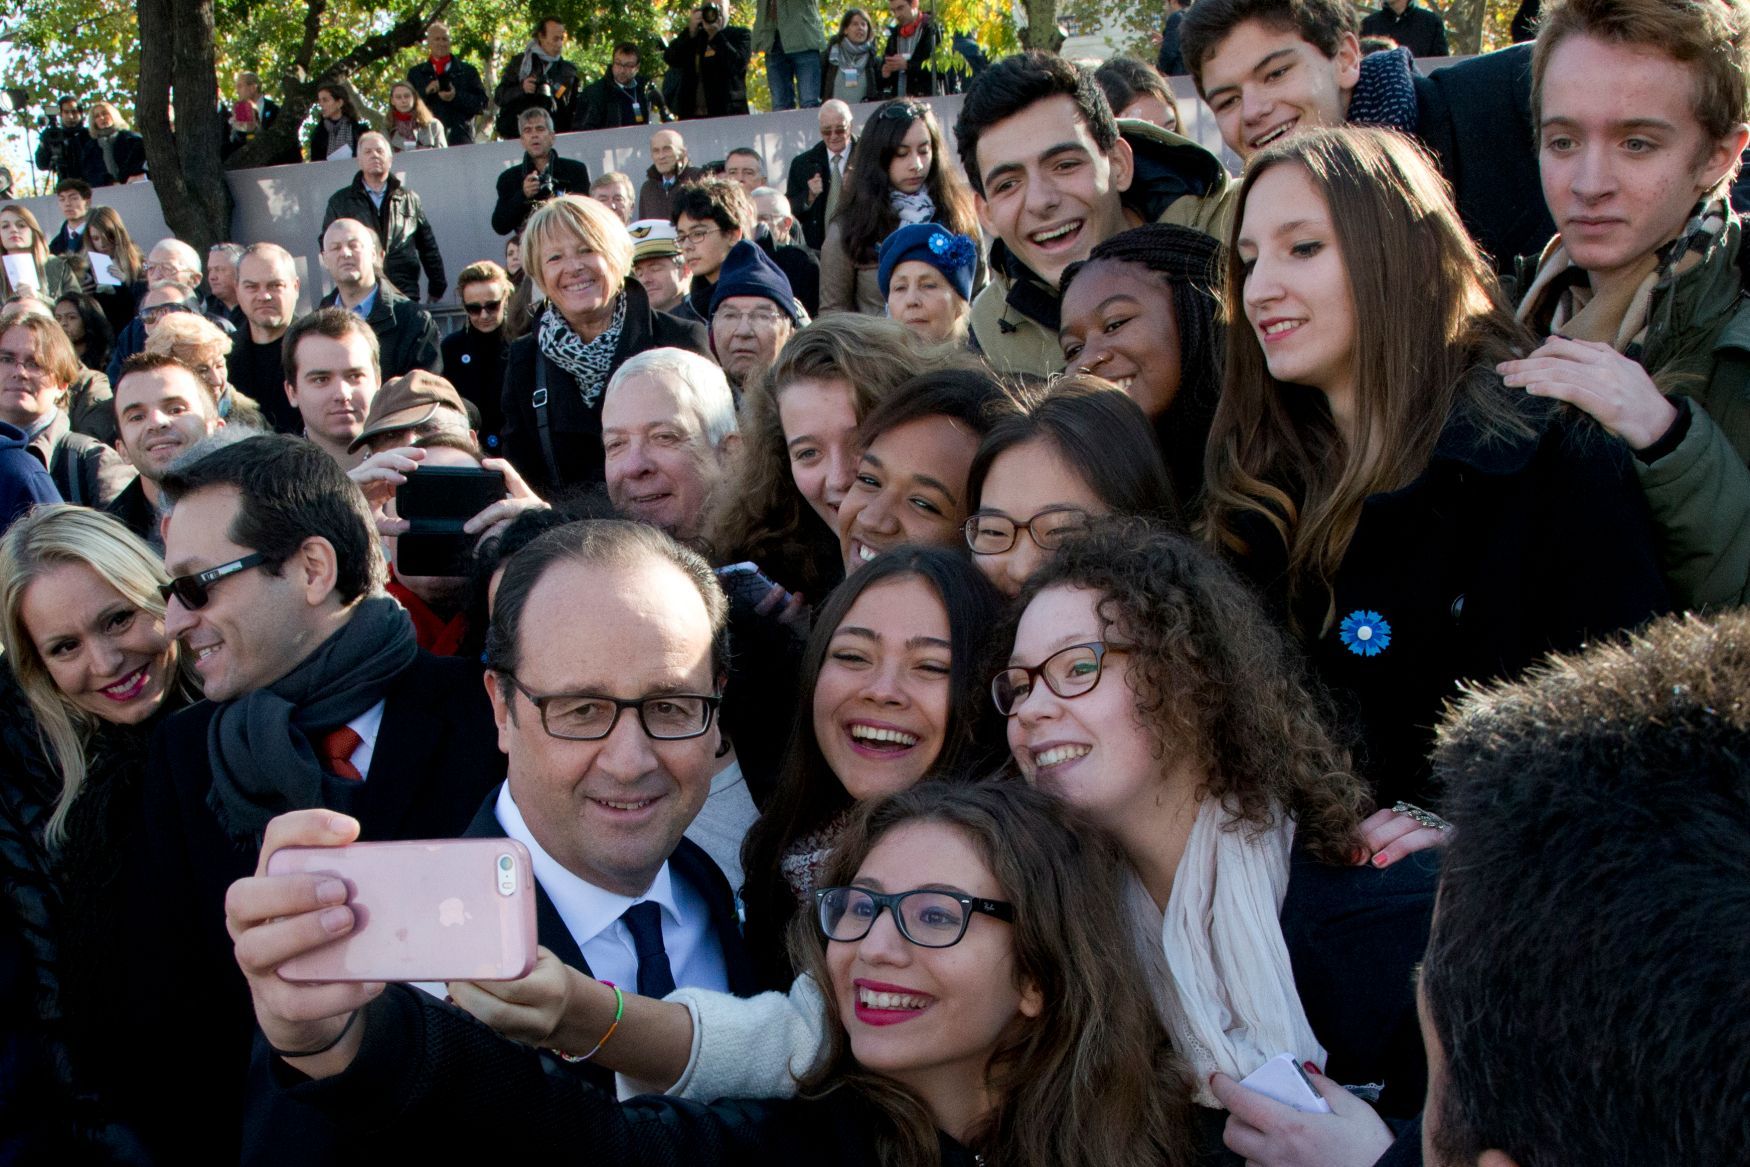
column 745, row 584
column 1283, row 1079
column 436, row 501
column 433, row 910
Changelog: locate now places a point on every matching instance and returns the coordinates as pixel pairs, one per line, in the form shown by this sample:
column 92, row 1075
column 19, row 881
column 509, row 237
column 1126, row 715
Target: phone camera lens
column 505, row 863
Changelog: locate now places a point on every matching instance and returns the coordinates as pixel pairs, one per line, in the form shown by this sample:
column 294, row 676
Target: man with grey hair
column 405, row 332
column 817, row 174
column 221, row 297
column 613, row 190
column 668, row 430
column 542, row 175
column 170, row 263
column 378, row 199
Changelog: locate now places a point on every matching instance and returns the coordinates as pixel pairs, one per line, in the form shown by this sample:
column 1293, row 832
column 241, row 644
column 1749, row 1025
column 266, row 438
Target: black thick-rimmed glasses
column 991, row 534
column 1068, row 672
column 928, row 918
column 589, row 717
column 191, row 590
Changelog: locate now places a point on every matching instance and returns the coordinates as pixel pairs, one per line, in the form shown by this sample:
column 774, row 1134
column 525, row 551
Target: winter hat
column 955, row 256
column 748, row 271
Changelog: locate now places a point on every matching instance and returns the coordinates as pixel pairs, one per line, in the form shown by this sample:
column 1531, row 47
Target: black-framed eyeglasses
column 484, row 307
column 928, row 918
column 191, row 590
column 906, row 110
column 1068, row 672
column 589, row 717
column 698, row 234
column 993, row 534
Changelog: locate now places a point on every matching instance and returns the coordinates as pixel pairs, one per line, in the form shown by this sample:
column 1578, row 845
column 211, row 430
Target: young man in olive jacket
column 1641, row 293
column 1052, row 178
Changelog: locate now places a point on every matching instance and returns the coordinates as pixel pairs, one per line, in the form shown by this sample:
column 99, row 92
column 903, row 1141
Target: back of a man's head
column 1207, row 23
column 1019, row 81
column 288, row 491
column 1585, row 981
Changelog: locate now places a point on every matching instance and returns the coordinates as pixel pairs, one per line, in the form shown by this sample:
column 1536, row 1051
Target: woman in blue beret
column 925, row 272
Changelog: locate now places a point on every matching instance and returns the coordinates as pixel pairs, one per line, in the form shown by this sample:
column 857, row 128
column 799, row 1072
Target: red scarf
column 439, row 64
column 433, row 633
column 911, row 29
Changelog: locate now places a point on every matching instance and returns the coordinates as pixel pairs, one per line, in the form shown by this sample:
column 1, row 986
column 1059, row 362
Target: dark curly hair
column 1214, row 675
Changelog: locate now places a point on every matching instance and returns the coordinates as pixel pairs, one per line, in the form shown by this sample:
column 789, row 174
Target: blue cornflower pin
column 1365, row 633
column 955, row 249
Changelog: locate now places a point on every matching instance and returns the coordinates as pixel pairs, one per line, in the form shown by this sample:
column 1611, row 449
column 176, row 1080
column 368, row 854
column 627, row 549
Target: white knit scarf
column 912, row 208
column 1230, row 1003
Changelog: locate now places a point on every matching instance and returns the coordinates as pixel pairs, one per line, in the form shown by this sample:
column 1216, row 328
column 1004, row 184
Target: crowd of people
column 752, row 558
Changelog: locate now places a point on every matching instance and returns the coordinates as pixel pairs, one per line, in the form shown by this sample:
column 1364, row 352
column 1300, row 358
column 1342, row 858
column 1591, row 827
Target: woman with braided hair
column 1149, row 322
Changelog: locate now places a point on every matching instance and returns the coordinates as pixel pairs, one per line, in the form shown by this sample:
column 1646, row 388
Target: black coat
column 920, row 79
column 319, row 139
column 603, row 105
column 801, row 268
column 719, row 63
column 130, row 159
column 407, row 337
column 458, row 111
column 279, row 1128
column 1497, row 554
column 812, row 216
column 258, row 371
column 569, row 177
column 1418, row 29
column 424, row 1066
column 576, row 425
column 474, row 364
column 562, row 79
column 65, row 242
column 403, row 232
column 1476, row 117
column 70, row 161
column 436, row 757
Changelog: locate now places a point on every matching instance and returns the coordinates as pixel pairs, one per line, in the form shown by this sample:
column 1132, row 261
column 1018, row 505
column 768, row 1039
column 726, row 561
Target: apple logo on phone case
column 452, row 912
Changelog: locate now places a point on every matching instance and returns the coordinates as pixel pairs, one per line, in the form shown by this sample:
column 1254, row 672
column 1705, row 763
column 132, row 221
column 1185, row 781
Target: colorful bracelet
column 619, row 1012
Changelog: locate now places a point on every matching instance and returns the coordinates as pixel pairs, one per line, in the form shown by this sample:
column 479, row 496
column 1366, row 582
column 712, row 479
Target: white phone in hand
column 1283, row 1079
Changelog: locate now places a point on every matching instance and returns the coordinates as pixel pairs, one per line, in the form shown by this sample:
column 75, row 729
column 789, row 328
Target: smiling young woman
column 1415, row 522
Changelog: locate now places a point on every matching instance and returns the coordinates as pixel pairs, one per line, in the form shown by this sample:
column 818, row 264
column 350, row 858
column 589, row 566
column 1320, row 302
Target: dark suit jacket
column 63, row 242
column 279, row 1129
column 406, row 334
column 436, row 756
column 812, row 217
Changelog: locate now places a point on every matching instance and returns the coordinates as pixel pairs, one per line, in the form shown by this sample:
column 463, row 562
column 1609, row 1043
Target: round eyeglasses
column 589, row 717
column 927, row 918
column 993, row 534
column 1068, row 672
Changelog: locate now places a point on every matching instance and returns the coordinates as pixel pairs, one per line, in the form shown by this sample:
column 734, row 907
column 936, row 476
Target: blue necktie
column 655, row 977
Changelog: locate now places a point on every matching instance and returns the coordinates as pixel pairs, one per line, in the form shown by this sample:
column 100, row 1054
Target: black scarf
column 259, row 745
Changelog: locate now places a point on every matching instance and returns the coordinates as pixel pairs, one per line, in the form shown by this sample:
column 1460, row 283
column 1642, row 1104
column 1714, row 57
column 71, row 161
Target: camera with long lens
column 711, row 14
column 546, row 189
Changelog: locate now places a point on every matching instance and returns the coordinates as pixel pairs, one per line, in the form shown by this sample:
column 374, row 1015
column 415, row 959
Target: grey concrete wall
column 284, row 204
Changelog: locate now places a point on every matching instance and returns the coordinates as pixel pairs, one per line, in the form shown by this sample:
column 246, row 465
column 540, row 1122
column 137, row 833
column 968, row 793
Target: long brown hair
column 865, row 216
column 759, row 515
column 1216, row 680
column 123, row 253
column 1090, row 1082
column 1430, row 324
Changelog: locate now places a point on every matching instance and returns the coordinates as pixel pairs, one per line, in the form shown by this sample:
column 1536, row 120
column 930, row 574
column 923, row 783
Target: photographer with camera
column 542, row 177
column 711, row 58
column 61, row 144
column 541, row 78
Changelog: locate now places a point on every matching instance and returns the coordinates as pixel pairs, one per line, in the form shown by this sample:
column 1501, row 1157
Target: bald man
column 378, row 199
column 406, row 333
column 170, row 263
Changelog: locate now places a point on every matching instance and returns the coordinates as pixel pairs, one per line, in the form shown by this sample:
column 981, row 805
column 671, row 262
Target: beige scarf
column 1229, row 1000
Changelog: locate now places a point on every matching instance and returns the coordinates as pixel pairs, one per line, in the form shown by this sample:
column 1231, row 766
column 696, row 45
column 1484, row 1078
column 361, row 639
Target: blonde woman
column 199, row 342
column 89, row 673
column 123, row 152
column 578, row 256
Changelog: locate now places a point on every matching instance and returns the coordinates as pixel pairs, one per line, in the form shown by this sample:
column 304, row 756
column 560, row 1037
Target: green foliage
column 72, row 47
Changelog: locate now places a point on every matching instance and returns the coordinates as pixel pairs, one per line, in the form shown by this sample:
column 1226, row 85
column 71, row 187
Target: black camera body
column 711, row 14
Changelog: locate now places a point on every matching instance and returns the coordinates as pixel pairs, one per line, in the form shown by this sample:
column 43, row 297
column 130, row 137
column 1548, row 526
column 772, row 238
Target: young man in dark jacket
column 450, row 86
column 543, row 174
column 377, row 198
column 711, row 60
column 622, row 96
column 911, row 42
column 1269, row 67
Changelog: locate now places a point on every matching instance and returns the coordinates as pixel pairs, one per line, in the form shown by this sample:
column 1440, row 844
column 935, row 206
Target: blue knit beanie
column 955, row 256
column 749, row 271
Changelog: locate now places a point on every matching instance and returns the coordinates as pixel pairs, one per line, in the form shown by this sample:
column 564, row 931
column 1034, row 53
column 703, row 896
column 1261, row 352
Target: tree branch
column 313, row 13
column 405, row 32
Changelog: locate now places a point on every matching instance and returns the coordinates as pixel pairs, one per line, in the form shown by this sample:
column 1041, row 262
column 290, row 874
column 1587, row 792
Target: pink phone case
column 431, row 910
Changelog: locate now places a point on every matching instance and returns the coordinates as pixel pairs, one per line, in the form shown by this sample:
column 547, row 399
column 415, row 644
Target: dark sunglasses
column 902, row 110
column 191, row 590
column 480, row 309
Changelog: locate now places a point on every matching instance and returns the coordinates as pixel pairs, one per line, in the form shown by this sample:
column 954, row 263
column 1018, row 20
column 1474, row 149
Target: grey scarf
column 106, row 139
column 912, row 208
column 259, row 745
column 531, row 56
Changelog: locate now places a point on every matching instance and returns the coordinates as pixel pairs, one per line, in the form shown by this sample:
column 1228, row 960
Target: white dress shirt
column 592, row 916
column 367, row 725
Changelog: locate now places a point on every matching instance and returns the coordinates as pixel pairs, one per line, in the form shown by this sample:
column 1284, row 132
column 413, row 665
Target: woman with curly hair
column 1415, row 521
column 898, row 176
column 799, row 447
column 1148, row 689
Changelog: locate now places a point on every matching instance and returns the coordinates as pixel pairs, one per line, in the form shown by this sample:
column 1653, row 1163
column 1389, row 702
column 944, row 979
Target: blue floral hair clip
column 955, row 249
column 1365, row 633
